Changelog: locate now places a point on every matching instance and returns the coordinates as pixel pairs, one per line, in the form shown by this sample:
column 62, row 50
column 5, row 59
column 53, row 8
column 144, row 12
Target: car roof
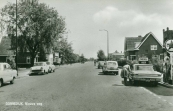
column 40, row 62
column 111, row 61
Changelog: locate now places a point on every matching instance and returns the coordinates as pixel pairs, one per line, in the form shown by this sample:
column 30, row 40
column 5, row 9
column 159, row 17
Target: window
column 153, row 47
column 28, row 60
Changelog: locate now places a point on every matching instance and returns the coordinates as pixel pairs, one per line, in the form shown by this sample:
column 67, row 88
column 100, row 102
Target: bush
column 157, row 64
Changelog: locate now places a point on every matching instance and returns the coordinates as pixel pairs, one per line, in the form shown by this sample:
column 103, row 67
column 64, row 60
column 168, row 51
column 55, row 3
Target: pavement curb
column 165, row 85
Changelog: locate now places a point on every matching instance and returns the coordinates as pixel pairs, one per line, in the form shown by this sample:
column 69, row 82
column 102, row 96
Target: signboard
column 143, row 59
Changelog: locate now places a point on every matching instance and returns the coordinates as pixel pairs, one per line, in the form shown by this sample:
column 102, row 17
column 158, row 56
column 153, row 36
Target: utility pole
column 16, row 41
column 107, row 42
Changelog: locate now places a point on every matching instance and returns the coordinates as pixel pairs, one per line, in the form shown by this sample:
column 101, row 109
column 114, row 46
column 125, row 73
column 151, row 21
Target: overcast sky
column 122, row 18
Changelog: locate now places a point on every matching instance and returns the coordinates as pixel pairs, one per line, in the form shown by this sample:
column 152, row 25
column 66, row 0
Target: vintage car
column 143, row 72
column 110, row 67
column 39, row 68
column 7, row 74
column 51, row 67
column 100, row 64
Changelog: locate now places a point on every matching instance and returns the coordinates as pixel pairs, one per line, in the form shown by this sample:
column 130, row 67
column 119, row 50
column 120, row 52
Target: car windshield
column 111, row 63
column 142, row 67
column 38, row 64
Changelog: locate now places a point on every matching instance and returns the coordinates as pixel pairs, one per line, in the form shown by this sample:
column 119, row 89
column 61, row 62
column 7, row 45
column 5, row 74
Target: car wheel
column 155, row 84
column 1, row 83
column 44, row 73
column 132, row 82
column 12, row 81
column 116, row 73
column 125, row 81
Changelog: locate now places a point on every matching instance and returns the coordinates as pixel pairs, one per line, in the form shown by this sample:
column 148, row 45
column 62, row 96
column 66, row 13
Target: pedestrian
column 125, row 72
column 94, row 62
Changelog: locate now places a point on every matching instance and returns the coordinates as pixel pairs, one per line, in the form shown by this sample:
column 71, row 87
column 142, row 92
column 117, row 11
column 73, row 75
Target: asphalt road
column 82, row 87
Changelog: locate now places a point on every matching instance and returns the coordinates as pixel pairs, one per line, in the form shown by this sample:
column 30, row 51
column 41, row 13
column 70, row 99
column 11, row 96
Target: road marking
column 155, row 95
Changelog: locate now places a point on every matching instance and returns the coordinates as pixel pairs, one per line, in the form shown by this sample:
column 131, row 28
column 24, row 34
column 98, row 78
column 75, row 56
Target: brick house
column 148, row 46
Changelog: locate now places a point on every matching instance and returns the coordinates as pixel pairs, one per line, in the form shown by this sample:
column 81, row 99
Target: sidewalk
column 23, row 72
column 165, row 84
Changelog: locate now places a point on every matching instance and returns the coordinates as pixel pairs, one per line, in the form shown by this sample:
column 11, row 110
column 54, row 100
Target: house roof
column 130, row 42
column 117, row 53
column 145, row 38
column 5, row 46
column 134, row 43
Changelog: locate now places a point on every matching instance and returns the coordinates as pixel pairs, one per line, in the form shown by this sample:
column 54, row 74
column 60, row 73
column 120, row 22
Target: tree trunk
column 32, row 60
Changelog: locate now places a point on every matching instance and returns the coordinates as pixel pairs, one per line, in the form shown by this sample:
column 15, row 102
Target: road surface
column 82, row 87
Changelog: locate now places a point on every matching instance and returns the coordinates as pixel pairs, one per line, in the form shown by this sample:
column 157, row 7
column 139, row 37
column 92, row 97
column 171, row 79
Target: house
column 116, row 55
column 6, row 53
column 147, row 46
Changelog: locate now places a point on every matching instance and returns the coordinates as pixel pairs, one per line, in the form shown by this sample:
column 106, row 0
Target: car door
column 5, row 74
column 9, row 72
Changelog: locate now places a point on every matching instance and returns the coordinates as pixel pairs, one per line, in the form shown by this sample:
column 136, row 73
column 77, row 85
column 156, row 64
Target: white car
column 39, row 68
column 7, row 74
column 110, row 67
column 51, row 67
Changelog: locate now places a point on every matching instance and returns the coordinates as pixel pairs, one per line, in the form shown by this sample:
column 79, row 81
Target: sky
column 121, row 18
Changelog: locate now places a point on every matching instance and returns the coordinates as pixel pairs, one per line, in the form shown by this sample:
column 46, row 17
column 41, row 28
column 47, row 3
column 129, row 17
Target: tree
column 38, row 25
column 101, row 55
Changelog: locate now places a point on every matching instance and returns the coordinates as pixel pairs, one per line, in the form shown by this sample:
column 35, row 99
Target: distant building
column 116, row 55
column 148, row 46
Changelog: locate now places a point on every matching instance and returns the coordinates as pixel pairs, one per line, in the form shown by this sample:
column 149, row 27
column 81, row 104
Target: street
column 82, row 87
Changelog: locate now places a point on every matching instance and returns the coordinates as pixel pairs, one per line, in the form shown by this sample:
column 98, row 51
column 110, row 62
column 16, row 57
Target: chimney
column 167, row 28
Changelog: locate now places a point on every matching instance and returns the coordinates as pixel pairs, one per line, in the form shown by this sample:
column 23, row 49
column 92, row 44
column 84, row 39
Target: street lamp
column 16, row 41
column 107, row 42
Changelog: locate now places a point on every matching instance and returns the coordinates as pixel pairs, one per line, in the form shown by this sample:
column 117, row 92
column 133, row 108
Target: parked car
column 100, row 64
column 7, row 74
column 39, row 68
column 110, row 67
column 143, row 72
column 51, row 67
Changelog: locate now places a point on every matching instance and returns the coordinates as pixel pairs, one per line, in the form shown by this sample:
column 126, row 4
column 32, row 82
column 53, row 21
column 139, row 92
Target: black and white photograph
column 86, row 55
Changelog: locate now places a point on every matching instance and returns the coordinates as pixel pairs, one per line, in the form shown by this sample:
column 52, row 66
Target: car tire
column 132, row 82
column 1, row 82
column 116, row 73
column 44, row 73
column 12, row 81
column 155, row 84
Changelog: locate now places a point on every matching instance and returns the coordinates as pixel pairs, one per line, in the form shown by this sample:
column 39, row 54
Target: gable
column 146, row 46
column 152, row 39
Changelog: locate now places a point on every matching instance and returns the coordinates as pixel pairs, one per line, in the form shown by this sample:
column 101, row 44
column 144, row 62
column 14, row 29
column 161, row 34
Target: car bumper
column 111, row 70
column 36, row 72
column 151, row 79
